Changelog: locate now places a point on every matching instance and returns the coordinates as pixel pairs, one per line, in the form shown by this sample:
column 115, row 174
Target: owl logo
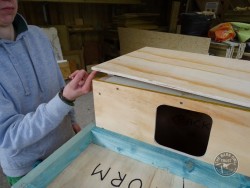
column 226, row 164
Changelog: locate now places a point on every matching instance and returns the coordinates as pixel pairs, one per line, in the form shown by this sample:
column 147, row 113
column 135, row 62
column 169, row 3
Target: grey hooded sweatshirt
column 34, row 121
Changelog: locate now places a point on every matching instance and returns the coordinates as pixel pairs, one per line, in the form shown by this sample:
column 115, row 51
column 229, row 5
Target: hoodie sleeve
column 62, row 83
column 72, row 111
column 18, row 130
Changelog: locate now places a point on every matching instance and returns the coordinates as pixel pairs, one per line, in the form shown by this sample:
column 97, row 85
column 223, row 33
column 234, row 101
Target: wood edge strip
column 50, row 168
column 185, row 97
column 177, row 164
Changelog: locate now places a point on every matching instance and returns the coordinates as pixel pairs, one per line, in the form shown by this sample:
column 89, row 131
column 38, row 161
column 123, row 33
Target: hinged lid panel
column 218, row 78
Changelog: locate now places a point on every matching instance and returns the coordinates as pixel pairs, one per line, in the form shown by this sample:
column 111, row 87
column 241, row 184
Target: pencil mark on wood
column 118, row 180
column 100, row 172
column 135, row 180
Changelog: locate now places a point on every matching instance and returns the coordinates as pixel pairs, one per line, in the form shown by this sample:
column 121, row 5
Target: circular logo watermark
column 226, row 164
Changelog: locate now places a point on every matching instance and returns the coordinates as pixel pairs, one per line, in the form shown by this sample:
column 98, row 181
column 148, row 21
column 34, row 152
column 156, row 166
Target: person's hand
column 76, row 128
column 80, row 84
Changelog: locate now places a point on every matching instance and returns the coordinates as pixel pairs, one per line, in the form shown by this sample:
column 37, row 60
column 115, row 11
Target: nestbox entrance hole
column 183, row 130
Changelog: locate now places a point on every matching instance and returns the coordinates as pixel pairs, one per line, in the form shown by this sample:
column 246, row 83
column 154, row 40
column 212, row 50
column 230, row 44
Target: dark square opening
column 183, row 130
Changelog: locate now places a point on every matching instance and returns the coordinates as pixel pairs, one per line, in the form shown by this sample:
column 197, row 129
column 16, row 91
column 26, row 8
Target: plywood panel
column 65, row 69
column 100, row 167
column 131, row 111
column 132, row 39
column 213, row 77
column 63, row 37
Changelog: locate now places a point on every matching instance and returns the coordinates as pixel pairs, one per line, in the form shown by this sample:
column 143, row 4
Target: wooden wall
column 65, row 13
column 79, row 27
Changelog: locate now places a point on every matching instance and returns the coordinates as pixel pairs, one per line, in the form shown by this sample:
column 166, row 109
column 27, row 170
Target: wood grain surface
column 217, row 78
column 130, row 110
column 132, row 39
column 100, row 167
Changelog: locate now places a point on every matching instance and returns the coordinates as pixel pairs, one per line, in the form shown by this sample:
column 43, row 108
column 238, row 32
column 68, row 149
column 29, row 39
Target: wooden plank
column 146, row 21
column 65, row 69
column 131, row 111
column 48, row 170
column 174, row 16
column 133, row 39
column 91, row 169
column 218, row 78
column 180, row 165
column 75, row 57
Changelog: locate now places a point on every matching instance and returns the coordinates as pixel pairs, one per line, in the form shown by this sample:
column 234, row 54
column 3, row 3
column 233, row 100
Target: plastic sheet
column 222, row 32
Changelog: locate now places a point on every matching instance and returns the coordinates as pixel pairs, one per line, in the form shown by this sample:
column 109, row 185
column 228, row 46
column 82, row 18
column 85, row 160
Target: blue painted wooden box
column 186, row 167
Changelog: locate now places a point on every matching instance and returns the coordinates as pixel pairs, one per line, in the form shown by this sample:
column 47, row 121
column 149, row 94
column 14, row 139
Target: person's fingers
column 85, row 76
column 79, row 85
column 72, row 75
column 90, row 77
column 77, row 78
column 88, row 81
column 76, row 128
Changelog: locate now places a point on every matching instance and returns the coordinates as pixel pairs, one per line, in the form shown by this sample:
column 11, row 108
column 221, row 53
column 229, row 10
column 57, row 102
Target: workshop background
column 86, row 32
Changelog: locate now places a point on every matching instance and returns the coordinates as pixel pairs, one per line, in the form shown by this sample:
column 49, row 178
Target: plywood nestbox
column 191, row 104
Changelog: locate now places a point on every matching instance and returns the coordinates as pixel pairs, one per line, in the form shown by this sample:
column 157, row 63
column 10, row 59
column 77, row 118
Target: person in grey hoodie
column 36, row 114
